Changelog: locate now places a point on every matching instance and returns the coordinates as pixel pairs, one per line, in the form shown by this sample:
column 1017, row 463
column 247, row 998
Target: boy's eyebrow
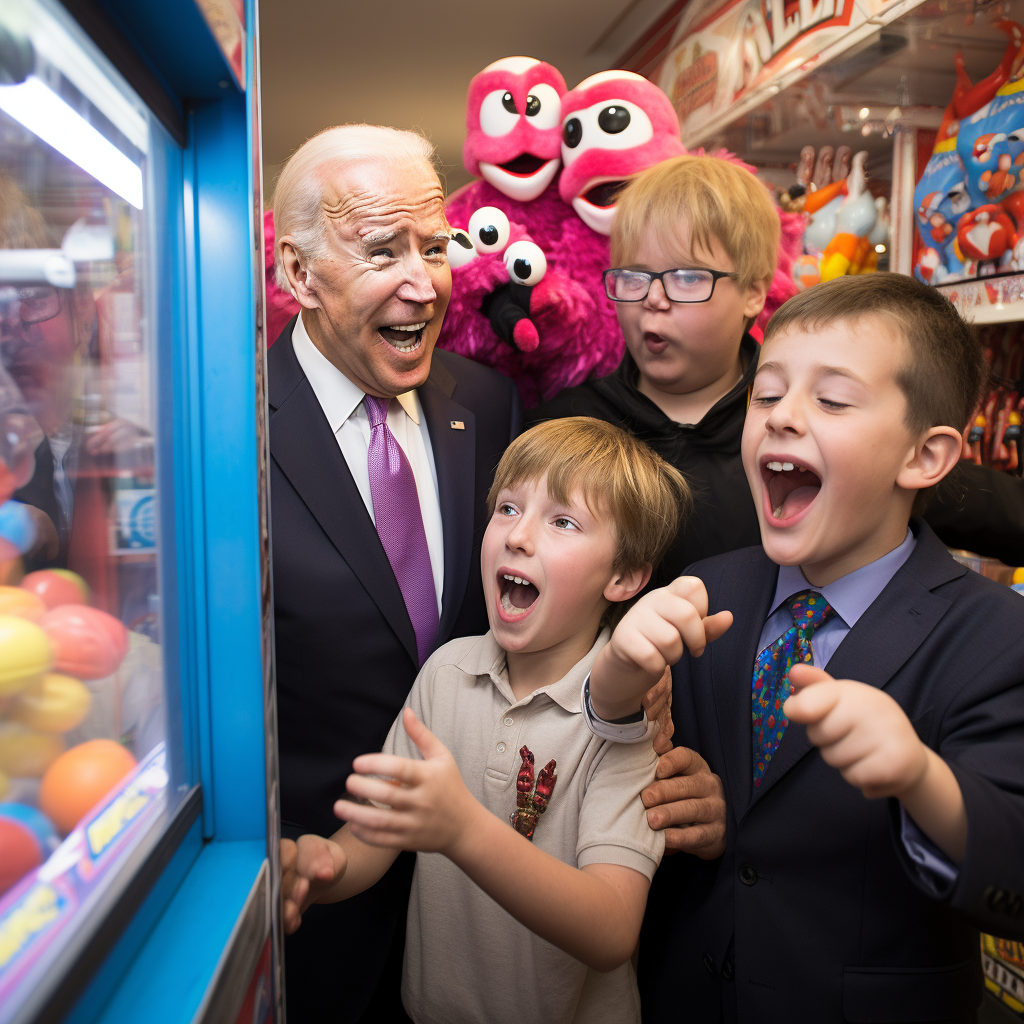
column 822, row 371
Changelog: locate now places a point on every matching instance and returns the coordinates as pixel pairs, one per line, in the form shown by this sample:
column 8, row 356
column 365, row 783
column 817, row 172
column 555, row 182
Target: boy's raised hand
column 650, row 638
column 863, row 732
column 307, row 867
column 427, row 805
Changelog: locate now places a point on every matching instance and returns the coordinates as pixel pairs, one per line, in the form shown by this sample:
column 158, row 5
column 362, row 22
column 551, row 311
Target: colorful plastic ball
column 80, row 778
column 57, row 587
column 55, row 703
column 17, row 525
column 27, row 752
column 23, row 603
column 25, row 654
column 35, row 821
column 87, row 643
column 20, row 852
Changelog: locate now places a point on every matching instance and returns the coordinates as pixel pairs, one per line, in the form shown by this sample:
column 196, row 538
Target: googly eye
column 525, row 262
column 609, row 124
column 460, row 249
column 489, row 229
column 498, row 114
column 543, row 106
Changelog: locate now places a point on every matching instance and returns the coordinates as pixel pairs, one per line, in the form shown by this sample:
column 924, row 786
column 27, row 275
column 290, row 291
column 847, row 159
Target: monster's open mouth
column 524, row 165
column 605, row 194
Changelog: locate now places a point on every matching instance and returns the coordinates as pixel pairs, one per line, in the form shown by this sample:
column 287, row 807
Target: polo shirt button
column 727, row 970
column 709, row 963
column 501, row 748
column 748, row 876
column 508, row 721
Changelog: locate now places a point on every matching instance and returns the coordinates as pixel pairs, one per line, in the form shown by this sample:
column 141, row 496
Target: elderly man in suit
column 382, row 452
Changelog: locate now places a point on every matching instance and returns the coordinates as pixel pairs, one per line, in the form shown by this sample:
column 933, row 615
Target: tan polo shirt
column 466, row 958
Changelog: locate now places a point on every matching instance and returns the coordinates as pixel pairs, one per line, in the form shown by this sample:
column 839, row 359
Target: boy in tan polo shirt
column 535, row 855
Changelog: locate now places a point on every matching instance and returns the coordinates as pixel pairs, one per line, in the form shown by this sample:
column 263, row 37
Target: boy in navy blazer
column 865, row 710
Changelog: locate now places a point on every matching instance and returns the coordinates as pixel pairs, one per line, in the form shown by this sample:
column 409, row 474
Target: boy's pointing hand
column 650, row 638
column 859, row 729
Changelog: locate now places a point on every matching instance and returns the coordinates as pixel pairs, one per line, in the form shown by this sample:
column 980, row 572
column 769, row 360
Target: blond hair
column 613, row 471
column 298, row 194
column 715, row 200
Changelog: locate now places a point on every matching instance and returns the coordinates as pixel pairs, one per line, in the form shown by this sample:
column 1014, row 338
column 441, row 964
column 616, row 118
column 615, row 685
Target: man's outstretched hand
column 687, row 801
column 307, row 868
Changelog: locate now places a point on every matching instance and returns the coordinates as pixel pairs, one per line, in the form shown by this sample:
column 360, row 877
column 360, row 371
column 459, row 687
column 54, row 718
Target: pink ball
column 87, row 643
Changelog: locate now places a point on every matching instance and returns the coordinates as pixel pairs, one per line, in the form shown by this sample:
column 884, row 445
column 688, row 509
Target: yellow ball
column 1018, row 575
column 24, row 751
column 54, row 703
column 24, row 654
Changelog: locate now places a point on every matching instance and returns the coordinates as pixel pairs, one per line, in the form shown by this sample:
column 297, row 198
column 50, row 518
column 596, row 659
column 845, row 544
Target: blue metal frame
column 202, row 219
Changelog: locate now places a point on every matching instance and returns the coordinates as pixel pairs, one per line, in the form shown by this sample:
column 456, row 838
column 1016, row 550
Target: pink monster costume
column 613, row 125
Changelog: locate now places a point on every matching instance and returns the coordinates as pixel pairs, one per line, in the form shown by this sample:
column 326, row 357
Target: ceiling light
column 864, row 111
column 879, row 247
column 46, row 115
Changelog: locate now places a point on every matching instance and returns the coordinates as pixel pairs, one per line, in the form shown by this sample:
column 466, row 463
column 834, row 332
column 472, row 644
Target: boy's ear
column 754, row 299
column 299, row 277
column 933, row 457
column 627, row 584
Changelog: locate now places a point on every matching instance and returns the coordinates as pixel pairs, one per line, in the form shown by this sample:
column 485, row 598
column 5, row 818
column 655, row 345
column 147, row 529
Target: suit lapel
column 884, row 638
column 746, row 590
column 302, row 444
column 453, row 442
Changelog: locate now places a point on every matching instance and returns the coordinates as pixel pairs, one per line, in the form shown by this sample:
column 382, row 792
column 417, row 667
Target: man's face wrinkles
column 384, row 286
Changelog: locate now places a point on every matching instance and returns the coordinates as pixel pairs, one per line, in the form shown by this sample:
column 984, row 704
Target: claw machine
column 138, row 819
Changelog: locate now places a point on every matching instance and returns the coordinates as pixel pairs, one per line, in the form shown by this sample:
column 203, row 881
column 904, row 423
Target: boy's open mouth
column 524, row 165
column 516, row 595
column 404, row 337
column 790, row 486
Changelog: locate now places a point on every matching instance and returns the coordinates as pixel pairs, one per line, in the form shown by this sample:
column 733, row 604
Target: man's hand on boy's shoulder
column 308, row 866
column 650, row 638
column 687, row 801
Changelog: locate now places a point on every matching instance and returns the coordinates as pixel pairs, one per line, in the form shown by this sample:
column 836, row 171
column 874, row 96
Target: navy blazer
column 815, row 913
column 345, row 646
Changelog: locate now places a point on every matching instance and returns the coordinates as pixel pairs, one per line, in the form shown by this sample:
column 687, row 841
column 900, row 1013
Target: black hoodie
column 975, row 507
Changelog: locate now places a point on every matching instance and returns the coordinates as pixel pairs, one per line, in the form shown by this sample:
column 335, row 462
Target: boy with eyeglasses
column 693, row 249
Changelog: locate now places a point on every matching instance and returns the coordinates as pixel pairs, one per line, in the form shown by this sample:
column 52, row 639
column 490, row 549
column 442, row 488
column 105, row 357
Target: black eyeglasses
column 33, row 304
column 685, row 284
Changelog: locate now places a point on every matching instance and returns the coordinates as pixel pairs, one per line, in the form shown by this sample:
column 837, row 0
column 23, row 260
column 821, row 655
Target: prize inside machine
column 85, row 771
column 897, row 131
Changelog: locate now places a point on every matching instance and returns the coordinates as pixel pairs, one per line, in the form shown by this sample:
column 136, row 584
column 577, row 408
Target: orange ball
column 57, row 586
column 87, row 643
column 80, row 778
column 23, row 603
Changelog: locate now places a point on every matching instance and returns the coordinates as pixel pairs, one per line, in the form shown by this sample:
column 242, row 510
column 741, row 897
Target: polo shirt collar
column 337, row 395
column 850, row 595
column 487, row 658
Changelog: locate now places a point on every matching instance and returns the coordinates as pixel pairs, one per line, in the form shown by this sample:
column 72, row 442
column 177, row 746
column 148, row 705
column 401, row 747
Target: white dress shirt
column 342, row 403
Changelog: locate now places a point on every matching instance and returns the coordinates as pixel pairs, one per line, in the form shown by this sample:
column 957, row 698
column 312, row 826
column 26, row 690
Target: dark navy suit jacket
column 345, row 646
column 815, row 913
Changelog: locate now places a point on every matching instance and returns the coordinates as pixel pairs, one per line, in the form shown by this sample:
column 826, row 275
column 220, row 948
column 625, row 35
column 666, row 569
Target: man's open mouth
column 605, row 194
column 524, row 165
column 791, row 488
column 517, row 595
column 404, row 337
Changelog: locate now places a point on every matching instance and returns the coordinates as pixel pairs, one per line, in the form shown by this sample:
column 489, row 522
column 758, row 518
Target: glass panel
column 83, row 776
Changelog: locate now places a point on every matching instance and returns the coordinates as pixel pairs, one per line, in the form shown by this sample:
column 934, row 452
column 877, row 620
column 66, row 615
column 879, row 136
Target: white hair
column 298, row 194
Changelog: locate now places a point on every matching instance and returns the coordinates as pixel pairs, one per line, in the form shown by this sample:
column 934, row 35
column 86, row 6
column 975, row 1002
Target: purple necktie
column 396, row 510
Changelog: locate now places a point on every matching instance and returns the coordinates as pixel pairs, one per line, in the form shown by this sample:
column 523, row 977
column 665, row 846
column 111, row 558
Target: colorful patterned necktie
column 396, row 511
column 770, row 686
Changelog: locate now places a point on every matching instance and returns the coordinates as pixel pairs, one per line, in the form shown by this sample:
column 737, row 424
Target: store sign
column 723, row 54
column 38, row 912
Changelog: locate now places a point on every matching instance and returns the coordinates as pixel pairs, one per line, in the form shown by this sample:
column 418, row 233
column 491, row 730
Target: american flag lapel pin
column 457, row 424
